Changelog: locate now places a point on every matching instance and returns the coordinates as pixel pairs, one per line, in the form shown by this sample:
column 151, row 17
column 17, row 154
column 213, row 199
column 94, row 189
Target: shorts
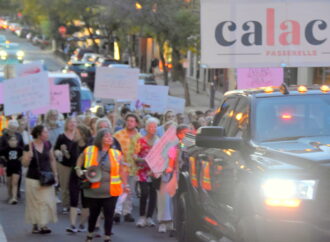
column 14, row 169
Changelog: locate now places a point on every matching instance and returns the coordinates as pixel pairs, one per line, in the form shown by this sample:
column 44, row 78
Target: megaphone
column 93, row 174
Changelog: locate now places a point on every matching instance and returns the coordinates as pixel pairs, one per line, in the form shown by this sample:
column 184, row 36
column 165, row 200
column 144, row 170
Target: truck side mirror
column 214, row 137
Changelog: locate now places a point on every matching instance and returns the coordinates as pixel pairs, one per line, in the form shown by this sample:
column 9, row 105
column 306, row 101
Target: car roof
column 119, row 65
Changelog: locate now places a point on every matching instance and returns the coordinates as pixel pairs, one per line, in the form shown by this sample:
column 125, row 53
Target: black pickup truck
column 261, row 172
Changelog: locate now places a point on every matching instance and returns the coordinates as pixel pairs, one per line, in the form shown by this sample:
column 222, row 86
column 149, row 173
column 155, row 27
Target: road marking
column 2, row 235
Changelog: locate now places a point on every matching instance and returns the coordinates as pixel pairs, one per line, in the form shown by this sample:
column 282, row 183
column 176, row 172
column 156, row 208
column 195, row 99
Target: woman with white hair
column 148, row 191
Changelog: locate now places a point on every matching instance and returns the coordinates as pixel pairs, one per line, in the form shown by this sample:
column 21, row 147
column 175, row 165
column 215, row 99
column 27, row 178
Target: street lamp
column 138, row 6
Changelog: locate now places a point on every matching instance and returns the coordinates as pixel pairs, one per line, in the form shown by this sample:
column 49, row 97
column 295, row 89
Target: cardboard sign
column 116, row 83
column 59, row 100
column 157, row 158
column 29, row 68
column 26, row 93
column 152, row 98
column 263, row 33
column 176, row 104
column 259, row 77
column 1, row 93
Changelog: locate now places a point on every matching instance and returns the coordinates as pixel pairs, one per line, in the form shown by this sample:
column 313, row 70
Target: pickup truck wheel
column 246, row 231
column 185, row 220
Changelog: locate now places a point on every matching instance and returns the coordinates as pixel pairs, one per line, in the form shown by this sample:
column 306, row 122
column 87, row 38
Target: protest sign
column 259, row 77
column 1, row 93
column 152, row 98
column 116, row 83
column 59, row 100
column 176, row 104
column 28, row 69
column 157, row 158
column 26, row 93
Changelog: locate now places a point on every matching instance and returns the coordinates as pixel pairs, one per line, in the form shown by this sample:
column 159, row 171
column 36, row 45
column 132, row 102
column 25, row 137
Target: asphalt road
column 34, row 53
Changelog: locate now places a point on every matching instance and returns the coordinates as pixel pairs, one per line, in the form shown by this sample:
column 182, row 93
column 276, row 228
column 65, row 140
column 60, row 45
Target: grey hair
column 101, row 120
column 152, row 120
column 50, row 112
column 13, row 123
column 99, row 137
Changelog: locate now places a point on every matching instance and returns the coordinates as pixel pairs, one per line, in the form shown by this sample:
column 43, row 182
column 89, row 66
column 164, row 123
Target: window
column 225, row 113
column 240, row 118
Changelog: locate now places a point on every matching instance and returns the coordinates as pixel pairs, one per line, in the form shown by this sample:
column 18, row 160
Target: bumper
column 289, row 231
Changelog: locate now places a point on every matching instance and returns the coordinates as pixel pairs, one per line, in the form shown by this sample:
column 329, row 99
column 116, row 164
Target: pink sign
column 157, row 158
column 259, row 77
column 60, row 100
column 1, row 93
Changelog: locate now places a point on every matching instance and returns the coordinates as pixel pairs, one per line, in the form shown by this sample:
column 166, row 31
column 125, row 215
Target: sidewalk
column 199, row 101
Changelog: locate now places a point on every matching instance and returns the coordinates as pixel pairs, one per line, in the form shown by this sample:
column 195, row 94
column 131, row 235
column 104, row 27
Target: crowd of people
column 56, row 158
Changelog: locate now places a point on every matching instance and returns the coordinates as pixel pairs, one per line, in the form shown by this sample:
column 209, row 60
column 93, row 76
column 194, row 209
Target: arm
column 79, row 164
column 53, row 163
column 123, row 176
column 27, row 156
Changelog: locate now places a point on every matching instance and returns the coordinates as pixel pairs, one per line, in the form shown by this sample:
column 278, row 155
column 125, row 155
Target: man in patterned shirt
column 128, row 138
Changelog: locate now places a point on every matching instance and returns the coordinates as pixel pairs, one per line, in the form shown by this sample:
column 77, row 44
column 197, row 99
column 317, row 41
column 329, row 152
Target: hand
column 169, row 170
column 63, row 148
column 127, row 190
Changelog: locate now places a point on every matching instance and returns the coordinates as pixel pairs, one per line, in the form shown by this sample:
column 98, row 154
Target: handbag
column 46, row 178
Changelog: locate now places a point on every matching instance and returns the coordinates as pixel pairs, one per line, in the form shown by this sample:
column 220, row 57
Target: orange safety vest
column 91, row 159
column 3, row 123
column 206, row 180
column 193, row 174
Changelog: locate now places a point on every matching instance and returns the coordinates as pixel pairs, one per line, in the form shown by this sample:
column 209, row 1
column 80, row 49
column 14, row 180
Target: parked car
column 85, row 70
column 79, row 53
column 105, row 61
column 147, row 79
column 261, row 172
column 90, row 57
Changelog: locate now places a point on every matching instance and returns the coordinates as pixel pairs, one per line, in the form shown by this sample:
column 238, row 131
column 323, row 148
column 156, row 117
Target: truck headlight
column 288, row 193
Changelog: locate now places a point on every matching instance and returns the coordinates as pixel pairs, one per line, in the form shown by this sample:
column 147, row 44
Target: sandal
column 45, row 230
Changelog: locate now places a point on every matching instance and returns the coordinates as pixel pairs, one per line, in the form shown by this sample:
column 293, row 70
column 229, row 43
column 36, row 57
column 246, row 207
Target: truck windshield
column 292, row 117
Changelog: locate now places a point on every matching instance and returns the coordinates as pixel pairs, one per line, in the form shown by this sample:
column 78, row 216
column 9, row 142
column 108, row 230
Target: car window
column 240, row 120
column 225, row 113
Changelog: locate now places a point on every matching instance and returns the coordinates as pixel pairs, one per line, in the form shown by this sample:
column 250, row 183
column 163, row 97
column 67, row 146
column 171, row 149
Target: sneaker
column 162, row 228
column 82, row 228
column 150, row 222
column 71, row 229
column 12, row 201
column 128, row 218
column 116, row 218
column 142, row 222
column 97, row 232
column 65, row 210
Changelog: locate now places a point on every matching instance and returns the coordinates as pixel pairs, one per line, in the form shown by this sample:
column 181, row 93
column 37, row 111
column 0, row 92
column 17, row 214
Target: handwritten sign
column 59, row 100
column 157, row 158
column 26, row 93
column 176, row 104
column 28, row 69
column 1, row 93
column 116, row 83
column 259, row 77
column 153, row 98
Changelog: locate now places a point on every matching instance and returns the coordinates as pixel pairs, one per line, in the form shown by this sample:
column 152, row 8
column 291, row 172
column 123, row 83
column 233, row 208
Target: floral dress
column 144, row 172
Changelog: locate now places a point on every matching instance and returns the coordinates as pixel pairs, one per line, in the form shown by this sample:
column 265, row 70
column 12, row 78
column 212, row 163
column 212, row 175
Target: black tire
column 246, row 230
column 186, row 222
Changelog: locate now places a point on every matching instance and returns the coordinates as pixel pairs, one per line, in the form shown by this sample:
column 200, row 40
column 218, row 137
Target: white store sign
column 265, row 33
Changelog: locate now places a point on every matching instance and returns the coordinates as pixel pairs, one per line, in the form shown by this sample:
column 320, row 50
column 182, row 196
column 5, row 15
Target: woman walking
column 40, row 200
column 103, row 194
column 148, row 191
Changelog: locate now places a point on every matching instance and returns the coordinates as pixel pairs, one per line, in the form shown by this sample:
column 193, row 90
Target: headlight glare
column 20, row 53
column 289, row 189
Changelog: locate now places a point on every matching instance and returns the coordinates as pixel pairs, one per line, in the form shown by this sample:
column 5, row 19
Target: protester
column 164, row 201
column 82, row 139
column 180, row 118
column 54, row 125
column 148, row 191
column 23, row 129
column 103, row 194
column 127, row 139
column 63, row 149
column 13, row 156
column 12, row 130
column 40, row 200
column 120, row 123
column 92, row 125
